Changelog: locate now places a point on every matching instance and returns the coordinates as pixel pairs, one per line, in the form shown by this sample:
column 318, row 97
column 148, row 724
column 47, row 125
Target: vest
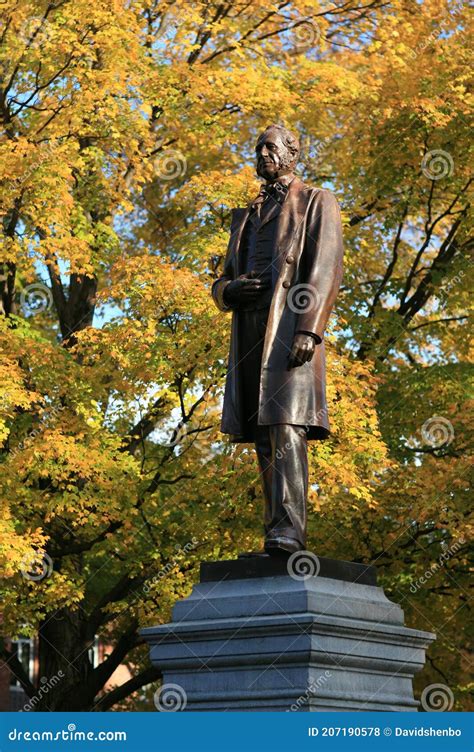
column 257, row 249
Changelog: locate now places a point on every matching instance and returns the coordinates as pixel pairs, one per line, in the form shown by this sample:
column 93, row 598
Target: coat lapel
column 269, row 212
column 292, row 214
column 288, row 215
column 239, row 218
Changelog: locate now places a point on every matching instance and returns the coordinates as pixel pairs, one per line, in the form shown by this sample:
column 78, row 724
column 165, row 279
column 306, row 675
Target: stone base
column 253, row 637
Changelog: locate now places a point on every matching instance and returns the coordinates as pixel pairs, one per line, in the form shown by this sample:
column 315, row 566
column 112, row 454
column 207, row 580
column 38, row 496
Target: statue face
column 273, row 157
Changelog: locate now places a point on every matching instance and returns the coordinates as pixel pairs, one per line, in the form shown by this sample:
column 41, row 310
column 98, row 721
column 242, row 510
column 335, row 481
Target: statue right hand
column 244, row 289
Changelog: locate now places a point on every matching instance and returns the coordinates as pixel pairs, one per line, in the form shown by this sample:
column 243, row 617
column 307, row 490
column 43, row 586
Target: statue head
column 277, row 152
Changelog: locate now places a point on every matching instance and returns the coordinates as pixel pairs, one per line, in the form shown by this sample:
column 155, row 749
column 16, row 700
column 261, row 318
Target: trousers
column 281, row 448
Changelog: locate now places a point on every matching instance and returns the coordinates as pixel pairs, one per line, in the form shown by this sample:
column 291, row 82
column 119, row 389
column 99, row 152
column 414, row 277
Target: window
column 23, row 649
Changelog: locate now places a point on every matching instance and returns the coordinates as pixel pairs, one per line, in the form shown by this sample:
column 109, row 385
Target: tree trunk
column 64, row 663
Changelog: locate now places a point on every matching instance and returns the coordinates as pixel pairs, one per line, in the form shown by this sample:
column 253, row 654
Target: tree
column 127, row 135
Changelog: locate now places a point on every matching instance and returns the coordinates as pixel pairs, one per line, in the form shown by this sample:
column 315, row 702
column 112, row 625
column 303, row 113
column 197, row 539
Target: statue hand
column 244, row 289
column 302, row 350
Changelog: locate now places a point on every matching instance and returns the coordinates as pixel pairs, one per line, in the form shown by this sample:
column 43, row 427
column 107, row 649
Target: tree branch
column 104, row 671
column 148, row 676
column 144, row 427
column 437, row 321
column 12, row 663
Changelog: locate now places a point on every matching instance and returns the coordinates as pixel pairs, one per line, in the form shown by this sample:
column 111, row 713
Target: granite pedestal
column 253, row 637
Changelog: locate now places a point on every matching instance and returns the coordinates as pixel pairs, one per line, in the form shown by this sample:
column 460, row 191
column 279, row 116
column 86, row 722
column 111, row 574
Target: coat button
column 286, row 284
column 290, row 259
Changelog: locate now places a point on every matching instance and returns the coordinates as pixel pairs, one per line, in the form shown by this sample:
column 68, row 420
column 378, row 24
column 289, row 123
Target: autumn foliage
column 127, row 134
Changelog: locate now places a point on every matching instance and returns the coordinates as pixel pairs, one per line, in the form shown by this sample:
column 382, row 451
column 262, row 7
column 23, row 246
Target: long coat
column 309, row 254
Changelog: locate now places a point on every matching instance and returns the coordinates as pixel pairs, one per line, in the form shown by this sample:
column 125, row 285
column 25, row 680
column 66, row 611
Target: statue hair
column 289, row 139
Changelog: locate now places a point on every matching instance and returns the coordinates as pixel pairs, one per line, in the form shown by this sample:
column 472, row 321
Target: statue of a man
column 282, row 272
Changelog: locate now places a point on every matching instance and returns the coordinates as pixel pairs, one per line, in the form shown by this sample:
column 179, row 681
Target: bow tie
column 276, row 191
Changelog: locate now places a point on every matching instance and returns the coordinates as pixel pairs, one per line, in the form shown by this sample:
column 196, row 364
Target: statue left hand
column 302, row 350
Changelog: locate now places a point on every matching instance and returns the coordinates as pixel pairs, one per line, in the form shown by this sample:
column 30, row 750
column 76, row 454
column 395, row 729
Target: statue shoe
column 282, row 546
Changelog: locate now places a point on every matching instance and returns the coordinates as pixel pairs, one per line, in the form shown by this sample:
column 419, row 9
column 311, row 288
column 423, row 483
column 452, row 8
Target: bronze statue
column 282, row 272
